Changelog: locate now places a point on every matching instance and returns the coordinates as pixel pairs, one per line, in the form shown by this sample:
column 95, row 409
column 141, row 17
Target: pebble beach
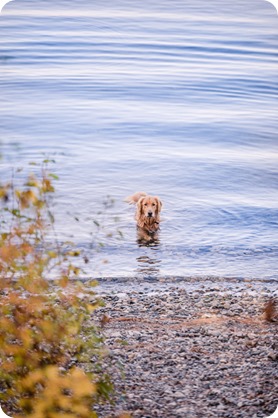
column 191, row 349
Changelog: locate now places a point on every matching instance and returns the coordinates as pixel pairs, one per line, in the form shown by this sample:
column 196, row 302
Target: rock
column 187, row 355
column 182, row 411
column 178, row 395
column 272, row 355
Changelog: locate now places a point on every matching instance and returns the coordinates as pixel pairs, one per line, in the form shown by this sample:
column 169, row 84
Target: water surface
column 176, row 98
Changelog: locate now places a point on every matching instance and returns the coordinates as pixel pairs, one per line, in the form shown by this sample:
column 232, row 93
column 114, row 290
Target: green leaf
column 54, row 176
column 47, row 160
column 15, row 212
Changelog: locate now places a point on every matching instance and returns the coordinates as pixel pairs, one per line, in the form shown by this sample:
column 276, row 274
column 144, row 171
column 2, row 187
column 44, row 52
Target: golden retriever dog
column 147, row 213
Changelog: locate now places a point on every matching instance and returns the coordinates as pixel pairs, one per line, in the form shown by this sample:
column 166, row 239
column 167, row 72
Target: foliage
column 42, row 322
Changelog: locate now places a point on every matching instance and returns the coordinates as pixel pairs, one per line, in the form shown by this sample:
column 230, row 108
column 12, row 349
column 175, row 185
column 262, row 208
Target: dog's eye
column 153, row 204
column 145, row 204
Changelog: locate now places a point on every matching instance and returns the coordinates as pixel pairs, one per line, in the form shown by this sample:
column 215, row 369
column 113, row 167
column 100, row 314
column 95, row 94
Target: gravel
column 190, row 351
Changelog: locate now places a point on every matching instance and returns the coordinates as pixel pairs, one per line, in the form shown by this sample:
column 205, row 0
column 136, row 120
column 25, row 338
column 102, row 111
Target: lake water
column 176, row 98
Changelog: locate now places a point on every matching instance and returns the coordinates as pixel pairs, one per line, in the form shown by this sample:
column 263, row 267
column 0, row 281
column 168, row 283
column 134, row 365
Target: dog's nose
column 150, row 214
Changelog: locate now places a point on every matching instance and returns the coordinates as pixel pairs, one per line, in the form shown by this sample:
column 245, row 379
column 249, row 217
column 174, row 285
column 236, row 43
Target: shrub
column 45, row 326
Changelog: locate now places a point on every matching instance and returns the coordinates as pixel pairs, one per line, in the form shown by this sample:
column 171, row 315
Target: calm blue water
column 176, row 98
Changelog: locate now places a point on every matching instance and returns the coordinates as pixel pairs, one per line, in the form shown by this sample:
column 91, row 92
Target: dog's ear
column 140, row 213
column 140, row 205
column 158, row 203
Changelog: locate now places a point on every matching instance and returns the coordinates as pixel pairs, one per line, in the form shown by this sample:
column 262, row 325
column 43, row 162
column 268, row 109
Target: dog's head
column 149, row 206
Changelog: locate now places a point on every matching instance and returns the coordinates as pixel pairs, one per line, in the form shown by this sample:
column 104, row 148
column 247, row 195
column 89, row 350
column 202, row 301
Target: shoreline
column 176, row 279
column 114, row 285
column 190, row 350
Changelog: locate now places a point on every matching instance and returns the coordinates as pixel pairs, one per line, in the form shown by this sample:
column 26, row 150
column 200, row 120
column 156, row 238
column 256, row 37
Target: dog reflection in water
column 147, row 216
column 147, row 265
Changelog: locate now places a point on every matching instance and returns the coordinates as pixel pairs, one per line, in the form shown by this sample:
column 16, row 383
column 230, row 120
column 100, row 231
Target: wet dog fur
column 148, row 210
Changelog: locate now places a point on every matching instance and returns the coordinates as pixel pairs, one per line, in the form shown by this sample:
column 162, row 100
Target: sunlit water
column 176, row 98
